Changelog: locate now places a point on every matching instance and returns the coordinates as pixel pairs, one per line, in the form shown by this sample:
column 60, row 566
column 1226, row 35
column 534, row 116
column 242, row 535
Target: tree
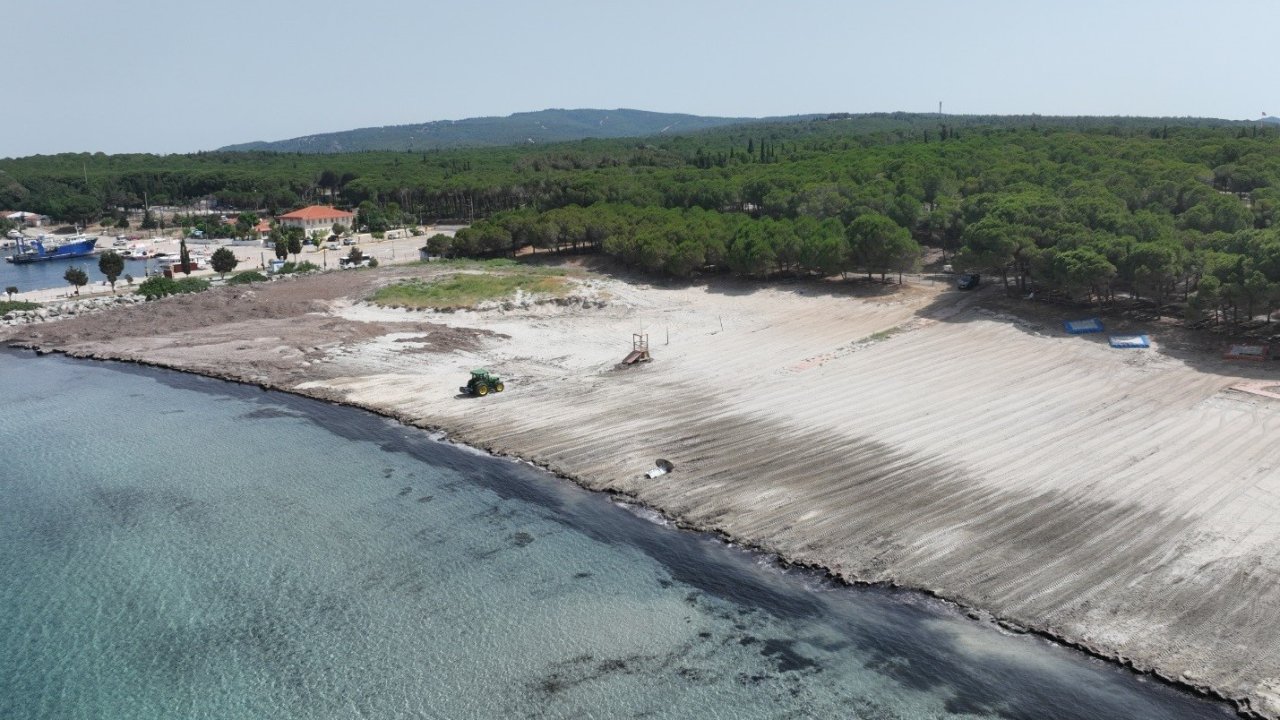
column 295, row 242
column 339, row 229
column 438, row 244
column 1084, row 270
column 224, row 261
column 76, row 277
column 11, row 291
column 279, row 244
column 988, row 243
column 184, row 257
column 878, row 244
column 148, row 221
column 111, row 264
column 245, row 223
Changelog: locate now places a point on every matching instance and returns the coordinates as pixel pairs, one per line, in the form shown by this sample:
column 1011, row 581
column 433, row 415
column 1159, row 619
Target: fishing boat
column 50, row 248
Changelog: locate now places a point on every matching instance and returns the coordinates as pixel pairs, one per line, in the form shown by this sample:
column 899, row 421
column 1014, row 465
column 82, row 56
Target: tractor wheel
column 499, row 387
column 482, row 389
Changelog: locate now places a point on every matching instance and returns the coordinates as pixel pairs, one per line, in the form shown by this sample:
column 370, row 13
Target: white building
column 317, row 217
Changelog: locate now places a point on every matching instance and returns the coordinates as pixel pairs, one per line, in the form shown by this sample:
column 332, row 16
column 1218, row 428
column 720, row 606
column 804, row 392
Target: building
column 23, row 217
column 317, row 217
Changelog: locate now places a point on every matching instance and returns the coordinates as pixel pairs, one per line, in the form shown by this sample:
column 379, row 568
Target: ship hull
column 79, row 248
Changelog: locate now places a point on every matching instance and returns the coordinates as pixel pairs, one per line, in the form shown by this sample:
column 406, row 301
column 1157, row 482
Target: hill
column 527, row 128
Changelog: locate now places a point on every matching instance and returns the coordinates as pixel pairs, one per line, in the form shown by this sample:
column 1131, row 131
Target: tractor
column 482, row 383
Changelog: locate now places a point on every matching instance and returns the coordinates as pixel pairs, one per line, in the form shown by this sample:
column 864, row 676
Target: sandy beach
column 959, row 443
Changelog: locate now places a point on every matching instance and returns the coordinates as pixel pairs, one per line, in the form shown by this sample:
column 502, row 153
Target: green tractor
column 482, row 383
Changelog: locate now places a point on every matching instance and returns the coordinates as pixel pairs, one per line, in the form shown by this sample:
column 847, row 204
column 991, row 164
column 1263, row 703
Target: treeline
column 1166, row 210
column 679, row 242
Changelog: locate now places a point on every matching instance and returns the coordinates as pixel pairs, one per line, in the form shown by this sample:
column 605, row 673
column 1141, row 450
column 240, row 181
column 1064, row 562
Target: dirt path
column 1124, row 501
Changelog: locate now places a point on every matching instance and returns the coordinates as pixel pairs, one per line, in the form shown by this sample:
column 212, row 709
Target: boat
column 137, row 251
column 173, row 263
column 48, row 248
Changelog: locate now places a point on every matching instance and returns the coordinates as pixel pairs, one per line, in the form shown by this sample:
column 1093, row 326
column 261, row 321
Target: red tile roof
column 317, row 212
column 262, row 226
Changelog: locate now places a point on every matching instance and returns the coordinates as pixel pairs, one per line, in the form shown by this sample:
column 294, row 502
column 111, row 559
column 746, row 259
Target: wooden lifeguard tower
column 639, row 350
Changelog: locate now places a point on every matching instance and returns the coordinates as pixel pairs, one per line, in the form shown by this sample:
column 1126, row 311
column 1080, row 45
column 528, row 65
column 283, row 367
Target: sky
column 173, row 76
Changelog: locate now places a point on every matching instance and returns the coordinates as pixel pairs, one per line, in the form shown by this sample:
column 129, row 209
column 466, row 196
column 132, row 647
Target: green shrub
column 373, row 262
column 157, row 287
column 160, row 286
column 246, row 277
column 10, row 305
column 192, row 285
column 290, row 268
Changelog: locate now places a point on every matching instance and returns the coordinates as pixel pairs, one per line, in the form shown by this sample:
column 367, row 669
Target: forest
column 1096, row 209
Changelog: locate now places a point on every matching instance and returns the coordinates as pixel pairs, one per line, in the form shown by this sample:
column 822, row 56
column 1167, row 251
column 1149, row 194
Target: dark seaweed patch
column 266, row 413
column 785, row 658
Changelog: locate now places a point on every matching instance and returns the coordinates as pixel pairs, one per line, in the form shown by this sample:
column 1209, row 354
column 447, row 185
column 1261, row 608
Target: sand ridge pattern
column 1124, row 501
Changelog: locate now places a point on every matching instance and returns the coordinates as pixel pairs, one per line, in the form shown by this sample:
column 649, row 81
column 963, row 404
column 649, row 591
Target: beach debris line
column 660, row 467
column 482, row 383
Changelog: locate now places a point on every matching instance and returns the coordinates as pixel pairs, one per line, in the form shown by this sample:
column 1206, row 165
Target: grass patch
column 879, row 335
column 468, row 289
column 11, row 305
column 472, row 264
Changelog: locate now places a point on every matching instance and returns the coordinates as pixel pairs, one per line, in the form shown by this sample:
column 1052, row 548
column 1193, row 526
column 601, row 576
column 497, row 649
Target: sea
column 48, row 273
column 179, row 547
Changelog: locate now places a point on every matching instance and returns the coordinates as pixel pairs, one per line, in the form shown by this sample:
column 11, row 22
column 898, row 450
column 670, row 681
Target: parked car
column 968, row 281
column 348, row 241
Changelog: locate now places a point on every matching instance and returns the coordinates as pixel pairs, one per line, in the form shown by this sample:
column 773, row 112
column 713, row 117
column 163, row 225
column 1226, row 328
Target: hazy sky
column 180, row 75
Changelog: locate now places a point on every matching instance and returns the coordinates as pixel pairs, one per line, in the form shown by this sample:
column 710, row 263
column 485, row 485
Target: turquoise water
column 175, row 547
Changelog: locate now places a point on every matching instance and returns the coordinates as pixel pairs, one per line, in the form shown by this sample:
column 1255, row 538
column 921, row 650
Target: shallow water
column 176, row 547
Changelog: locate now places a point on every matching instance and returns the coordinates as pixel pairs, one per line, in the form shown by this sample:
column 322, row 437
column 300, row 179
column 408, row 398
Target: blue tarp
column 1130, row 341
column 1081, row 327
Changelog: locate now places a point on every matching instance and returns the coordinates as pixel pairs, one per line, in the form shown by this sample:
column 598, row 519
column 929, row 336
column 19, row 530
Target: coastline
column 511, row 433
column 975, row 614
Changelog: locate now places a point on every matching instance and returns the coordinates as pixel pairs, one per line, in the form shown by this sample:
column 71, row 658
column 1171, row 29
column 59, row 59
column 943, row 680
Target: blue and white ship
column 46, row 248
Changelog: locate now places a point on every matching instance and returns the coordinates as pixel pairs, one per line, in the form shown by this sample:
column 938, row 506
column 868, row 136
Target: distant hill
column 1270, row 119
column 543, row 126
